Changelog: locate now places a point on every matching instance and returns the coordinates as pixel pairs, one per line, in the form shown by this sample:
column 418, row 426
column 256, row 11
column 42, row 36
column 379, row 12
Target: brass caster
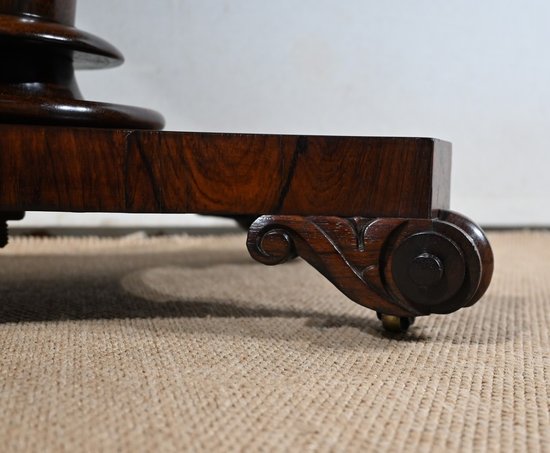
column 395, row 324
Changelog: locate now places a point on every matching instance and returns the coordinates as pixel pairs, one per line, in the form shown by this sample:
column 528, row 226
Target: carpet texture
column 186, row 344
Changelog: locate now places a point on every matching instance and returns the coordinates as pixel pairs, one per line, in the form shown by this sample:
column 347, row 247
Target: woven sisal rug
column 181, row 343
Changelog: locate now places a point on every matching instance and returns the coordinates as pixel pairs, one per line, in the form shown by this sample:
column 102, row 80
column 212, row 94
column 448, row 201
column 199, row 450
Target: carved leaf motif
column 349, row 252
column 402, row 267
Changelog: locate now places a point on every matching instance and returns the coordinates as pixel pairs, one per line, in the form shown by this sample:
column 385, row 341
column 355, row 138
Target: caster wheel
column 395, row 324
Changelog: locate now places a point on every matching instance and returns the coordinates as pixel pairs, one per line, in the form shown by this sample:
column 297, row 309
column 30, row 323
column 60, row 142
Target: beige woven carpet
column 186, row 344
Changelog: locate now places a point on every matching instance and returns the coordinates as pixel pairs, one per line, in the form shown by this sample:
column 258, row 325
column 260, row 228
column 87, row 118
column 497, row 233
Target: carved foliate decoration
column 402, row 267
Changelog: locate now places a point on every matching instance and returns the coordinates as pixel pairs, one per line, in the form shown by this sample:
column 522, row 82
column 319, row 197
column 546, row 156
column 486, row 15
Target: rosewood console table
column 369, row 213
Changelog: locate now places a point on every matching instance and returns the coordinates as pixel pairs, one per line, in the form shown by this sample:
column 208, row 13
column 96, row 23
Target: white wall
column 476, row 73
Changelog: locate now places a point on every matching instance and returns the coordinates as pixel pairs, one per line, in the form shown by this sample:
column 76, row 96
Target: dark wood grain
column 63, row 169
column 400, row 267
column 370, row 213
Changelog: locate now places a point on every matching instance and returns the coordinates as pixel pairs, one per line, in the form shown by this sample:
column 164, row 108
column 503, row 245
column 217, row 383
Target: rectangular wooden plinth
column 99, row 170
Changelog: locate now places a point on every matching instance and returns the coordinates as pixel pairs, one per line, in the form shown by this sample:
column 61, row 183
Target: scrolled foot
column 441, row 268
column 400, row 267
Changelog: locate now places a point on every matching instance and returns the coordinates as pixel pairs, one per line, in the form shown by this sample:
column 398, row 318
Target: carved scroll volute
column 439, row 267
column 345, row 251
column 402, row 267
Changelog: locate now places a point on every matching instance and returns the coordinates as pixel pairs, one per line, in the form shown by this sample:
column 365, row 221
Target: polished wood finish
column 369, row 213
column 396, row 266
column 39, row 49
column 50, row 24
column 59, row 11
column 44, row 168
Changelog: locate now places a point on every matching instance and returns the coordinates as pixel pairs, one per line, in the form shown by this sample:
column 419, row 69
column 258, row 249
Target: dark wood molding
column 39, row 50
column 79, row 169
